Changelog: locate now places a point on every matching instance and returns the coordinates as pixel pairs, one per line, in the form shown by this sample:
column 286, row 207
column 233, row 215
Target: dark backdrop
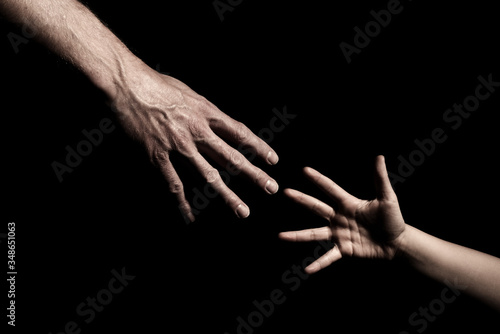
column 114, row 210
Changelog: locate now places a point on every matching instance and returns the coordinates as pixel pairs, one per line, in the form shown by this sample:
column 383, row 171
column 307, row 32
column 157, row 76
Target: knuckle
column 199, row 129
column 183, row 143
column 236, row 159
column 204, row 104
column 194, row 128
column 176, row 187
column 241, row 132
column 188, row 150
column 159, row 157
column 212, row 176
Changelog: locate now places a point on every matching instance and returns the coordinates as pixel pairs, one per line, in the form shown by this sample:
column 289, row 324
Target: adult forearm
column 476, row 273
column 73, row 32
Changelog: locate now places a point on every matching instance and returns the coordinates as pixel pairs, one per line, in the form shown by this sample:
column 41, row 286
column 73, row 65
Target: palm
column 359, row 228
column 362, row 229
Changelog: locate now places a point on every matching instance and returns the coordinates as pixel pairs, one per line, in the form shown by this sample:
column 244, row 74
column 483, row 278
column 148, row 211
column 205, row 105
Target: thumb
column 383, row 185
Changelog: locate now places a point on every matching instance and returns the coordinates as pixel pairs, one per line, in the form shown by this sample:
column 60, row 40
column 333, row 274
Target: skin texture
column 376, row 229
column 166, row 115
column 162, row 113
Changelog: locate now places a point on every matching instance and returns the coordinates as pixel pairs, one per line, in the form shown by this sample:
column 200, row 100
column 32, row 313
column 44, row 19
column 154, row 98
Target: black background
column 114, row 210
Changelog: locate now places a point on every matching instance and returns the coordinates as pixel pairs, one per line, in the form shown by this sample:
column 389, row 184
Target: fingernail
column 271, row 187
column 272, row 158
column 242, row 211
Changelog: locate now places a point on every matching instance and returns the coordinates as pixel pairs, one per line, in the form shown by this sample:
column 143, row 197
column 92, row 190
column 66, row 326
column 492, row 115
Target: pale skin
column 376, row 229
column 159, row 111
column 165, row 115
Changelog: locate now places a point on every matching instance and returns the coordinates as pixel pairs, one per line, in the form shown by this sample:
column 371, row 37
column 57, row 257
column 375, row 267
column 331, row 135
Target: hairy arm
column 73, row 32
column 157, row 110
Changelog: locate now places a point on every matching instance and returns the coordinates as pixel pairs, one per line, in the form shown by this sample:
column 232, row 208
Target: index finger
column 327, row 185
column 315, row 205
column 240, row 134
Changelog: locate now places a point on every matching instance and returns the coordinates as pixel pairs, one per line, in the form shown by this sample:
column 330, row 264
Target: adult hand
column 166, row 115
column 159, row 111
column 362, row 228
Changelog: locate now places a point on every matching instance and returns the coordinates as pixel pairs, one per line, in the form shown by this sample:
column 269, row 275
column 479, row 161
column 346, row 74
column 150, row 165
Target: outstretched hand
column 361, row 228
column 165, row 115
